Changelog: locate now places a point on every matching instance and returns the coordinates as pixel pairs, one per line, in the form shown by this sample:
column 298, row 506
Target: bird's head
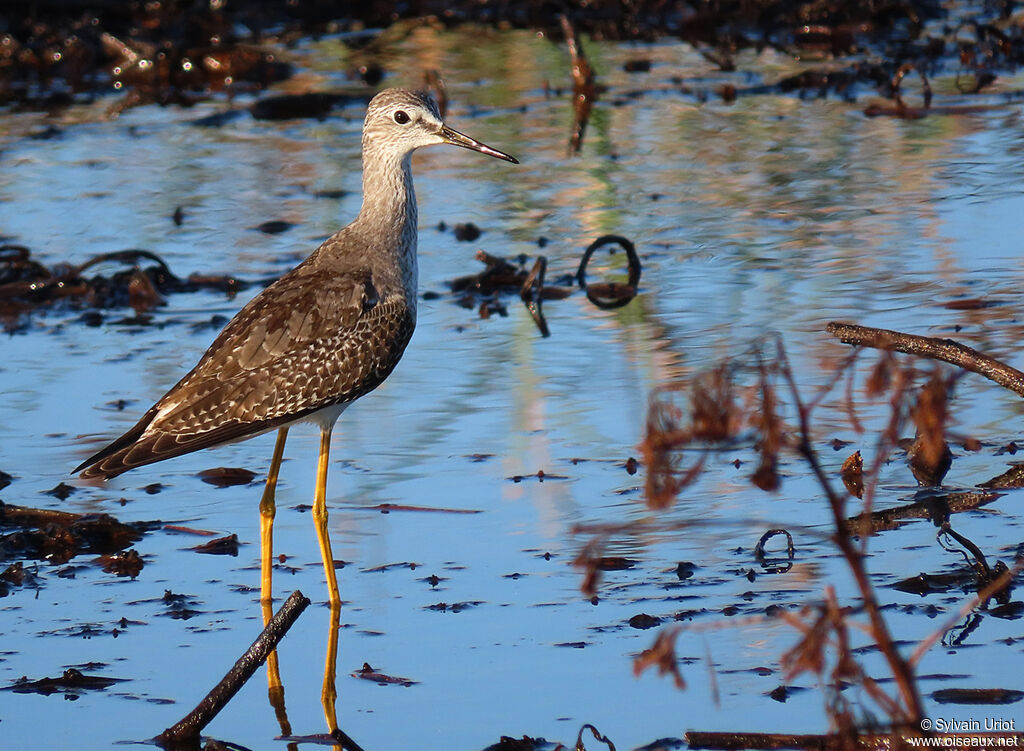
column 399, row 121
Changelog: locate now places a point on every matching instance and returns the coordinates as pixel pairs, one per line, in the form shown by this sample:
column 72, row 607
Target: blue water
column 771, row 215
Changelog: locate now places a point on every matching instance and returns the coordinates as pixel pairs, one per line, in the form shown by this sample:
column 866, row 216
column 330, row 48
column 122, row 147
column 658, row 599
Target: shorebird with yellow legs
column 324, row 334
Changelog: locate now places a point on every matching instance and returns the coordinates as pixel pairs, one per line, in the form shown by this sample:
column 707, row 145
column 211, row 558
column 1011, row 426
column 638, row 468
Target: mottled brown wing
column 311, row 340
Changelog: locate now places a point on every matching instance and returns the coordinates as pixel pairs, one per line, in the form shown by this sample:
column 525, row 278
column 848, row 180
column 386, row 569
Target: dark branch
column 946, row 350
column 187, row 730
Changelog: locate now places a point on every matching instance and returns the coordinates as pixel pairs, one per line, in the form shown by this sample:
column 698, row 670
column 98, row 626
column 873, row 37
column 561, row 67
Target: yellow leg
column 268, row 510
column 329, row 693
column 320, row 518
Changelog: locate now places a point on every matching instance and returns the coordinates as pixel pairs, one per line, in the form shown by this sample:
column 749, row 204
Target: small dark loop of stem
column 897, row 79
column 772, row 567
column 622, row 294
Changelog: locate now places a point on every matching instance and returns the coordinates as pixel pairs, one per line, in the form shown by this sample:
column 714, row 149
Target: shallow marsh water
column 768, row 215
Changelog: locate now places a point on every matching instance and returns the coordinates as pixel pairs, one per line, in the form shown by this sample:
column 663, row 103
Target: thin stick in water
column 190, row 726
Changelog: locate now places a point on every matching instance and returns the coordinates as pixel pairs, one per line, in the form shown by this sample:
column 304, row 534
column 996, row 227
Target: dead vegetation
column 484, row 290
column 27, row 286
column 755, row 401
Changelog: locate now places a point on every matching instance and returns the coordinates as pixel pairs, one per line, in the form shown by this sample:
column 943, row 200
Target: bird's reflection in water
column 328, row 693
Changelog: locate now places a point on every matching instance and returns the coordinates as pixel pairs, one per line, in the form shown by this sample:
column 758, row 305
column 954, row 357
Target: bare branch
column 946, row 350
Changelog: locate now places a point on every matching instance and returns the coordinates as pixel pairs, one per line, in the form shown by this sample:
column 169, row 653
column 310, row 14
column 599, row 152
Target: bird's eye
column 401, row 117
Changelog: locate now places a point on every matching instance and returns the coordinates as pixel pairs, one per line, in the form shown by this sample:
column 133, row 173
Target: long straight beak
column 459, row 139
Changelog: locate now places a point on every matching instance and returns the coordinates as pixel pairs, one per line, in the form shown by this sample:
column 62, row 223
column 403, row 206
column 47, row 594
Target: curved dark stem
column 975, row 550
column 126, row 256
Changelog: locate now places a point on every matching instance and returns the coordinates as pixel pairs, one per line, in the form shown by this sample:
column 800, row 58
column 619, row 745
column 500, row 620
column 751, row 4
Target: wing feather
column 313, row 339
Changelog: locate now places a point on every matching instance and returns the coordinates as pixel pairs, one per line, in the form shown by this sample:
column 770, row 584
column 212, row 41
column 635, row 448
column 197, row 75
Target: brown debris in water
column 929, row 456
column 147, row 53
column 62, row 491
column 481, row 291
column 188, row 530
column 183, row 53
column 224, row 477
column 532, row 294
column 27, row 286
column 945, row 350
column 389, row 566
column 540, row 475
column 368, row 673
column 466, row 233
column 936, row 507
column 589, row 559
column 186, row 732
column 58, row 536
column 387, row 508
column 852, row 474
column 126, row 563
column 227, row 545
column 662, row 655
column 597, row 736
column 315, row 105
column 72, row 681
column 615, row 563
column 643, row 621
column 14, row 576
column 526, row 743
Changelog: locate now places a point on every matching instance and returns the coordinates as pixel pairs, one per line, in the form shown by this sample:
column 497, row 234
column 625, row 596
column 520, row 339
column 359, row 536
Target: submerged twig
column 190, row 726
column 989, row 591
column 932, row 506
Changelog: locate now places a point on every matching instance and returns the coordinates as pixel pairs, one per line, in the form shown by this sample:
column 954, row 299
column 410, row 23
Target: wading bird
column 323, row 335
